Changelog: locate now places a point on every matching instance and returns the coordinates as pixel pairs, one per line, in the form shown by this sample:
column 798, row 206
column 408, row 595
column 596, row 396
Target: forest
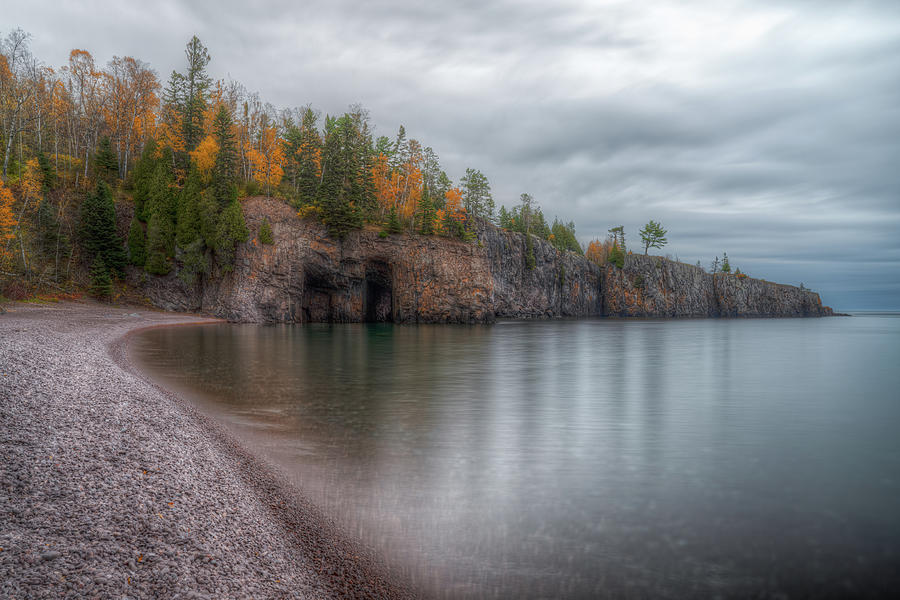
column 80, row 139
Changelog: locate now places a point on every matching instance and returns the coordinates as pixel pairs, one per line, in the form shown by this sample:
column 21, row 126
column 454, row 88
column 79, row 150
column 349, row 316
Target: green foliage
column 48, row 173
column 231, row 230
column 563, row 237
column 106, row 165
column 393, row 224
column 97, row 231
column 224, row 169
column 137, row 244
column 618, row 237
column 616, row 256
column 142, row 178
column 653, row 236
column 530, row 262
column 476, row 194
column 302, row 144
column 265, row 232
column 159, row 238
column 101, row 282
column 726, row 266
column 194, row 261
column 341, row 193
column 187, row 228
column 427, row 215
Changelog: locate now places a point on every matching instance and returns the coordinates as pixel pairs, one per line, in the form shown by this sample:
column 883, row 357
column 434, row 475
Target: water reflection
column 577, row 459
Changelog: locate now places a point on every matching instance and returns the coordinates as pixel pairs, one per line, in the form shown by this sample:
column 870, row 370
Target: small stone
column 50, row 555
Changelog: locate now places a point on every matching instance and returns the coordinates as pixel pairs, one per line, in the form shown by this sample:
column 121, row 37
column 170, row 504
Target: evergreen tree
column 224, row 169
column 159, row 234
column 726, row 266
column 194, row 261
column 338, row 187
column 195, row 87
column 187, row 228
column 563, row 237
column 427, row 215
column 653, row 236
column 477, row 198
column 142, row 178
column 137, row 244
column 265, row 232
column 101, row 283
column 106, row 165
column 98, row 229
column 48, row 173
column 231, row 231
column 504, row 219
column 530, row 262
column 393, row 224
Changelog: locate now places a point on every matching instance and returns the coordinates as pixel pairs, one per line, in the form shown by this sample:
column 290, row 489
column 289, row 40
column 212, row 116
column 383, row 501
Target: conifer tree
column 137, row 244
column 101, row 283
column 426, row 215
column 231, row 231
column 106, row 166
column 337, row 190
column 224, row 170
column 142, row 178
column 98, row 229
column 187, row 228
column 393, row 224
column 48, row 173
column 158, row 235
column 195, row 86
column 726, row 266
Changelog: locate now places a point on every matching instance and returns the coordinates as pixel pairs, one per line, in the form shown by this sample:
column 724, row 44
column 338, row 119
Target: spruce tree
column 224, row 169
column 142, row 178
column 187, row 228
column 427, row 215
column 48, row 173
column 101, row 283
column 106, row 165
column 726, row 266
column 393, row 224
column 137, row 244
column 231, row 231
column 335, row 195
column 98, row 229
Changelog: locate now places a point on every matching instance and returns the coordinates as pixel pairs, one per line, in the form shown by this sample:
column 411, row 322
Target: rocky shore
column 111, row 487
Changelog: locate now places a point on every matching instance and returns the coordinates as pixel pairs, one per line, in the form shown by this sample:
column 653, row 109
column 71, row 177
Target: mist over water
column 579, row 458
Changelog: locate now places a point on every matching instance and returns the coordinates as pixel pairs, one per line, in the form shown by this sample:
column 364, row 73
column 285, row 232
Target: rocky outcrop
column 651, row 286
column 306, row 276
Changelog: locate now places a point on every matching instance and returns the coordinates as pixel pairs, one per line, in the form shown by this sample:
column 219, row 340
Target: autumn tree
column 653, row 236
column 7, row 222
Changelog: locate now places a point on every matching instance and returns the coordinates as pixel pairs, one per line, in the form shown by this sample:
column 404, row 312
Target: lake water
column 577, row 459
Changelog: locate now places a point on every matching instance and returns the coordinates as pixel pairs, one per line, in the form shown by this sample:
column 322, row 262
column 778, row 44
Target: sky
column 767, row 130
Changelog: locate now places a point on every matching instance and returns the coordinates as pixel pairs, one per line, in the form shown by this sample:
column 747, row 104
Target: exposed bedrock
column 306, row 276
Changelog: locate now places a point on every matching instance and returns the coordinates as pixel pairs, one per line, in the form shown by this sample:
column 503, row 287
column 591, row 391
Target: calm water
column 580, row 458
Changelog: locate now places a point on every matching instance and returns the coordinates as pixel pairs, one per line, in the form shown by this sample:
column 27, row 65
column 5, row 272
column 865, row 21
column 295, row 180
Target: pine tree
column 101, row 283
column 231, row 231
column 726, row 266
column 335, row 195
column 187, row 221
column 393, row 224
column 98, row 229
column 195, row 88
column 48, row 173
column 477, row 198
column 137, row 244
column 142, row 178
column 106, row 165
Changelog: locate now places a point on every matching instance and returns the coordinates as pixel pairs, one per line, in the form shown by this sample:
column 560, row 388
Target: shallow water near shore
column 578, row 458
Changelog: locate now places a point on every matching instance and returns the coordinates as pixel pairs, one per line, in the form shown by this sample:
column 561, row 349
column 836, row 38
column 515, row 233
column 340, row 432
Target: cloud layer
column 768, row 131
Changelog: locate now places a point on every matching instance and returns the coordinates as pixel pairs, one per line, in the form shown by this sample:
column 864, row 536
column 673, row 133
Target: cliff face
column 650, row 286
column 306, row 276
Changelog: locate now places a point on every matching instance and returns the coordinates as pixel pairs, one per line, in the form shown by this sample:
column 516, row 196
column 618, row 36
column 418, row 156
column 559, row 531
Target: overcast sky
column 767, row 130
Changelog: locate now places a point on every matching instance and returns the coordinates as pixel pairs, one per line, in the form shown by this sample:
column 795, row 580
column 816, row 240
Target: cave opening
column 315, row 305
column 379, row 293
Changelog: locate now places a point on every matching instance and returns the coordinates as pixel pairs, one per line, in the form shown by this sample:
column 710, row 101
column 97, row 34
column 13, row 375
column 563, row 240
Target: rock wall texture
column 306, row 276
column 651, row 286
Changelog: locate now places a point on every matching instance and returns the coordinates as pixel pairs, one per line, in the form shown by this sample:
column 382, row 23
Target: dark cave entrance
column 379, row 293
column 316, row 303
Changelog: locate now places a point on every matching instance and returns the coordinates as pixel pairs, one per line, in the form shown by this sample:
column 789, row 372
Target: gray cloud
column 767, row 130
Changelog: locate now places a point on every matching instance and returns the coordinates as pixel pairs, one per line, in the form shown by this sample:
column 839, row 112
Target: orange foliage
column 399, row 188
column 268, row 160
column 7, row 219
column 204, row 157
column 31, row 179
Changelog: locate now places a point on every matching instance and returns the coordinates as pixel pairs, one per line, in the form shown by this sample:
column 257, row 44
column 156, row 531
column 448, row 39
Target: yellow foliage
column 31, row 179
column 204, row 157
column 7, row 219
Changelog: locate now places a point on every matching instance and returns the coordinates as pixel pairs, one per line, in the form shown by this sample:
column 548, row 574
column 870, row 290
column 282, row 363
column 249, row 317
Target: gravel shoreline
column 112, row 487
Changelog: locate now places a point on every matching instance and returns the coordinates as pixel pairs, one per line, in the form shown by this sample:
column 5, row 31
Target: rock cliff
column 651, row 286
column 306, row 276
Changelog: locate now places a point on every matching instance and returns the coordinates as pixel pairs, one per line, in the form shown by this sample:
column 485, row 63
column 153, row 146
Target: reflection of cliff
column 307, row 276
